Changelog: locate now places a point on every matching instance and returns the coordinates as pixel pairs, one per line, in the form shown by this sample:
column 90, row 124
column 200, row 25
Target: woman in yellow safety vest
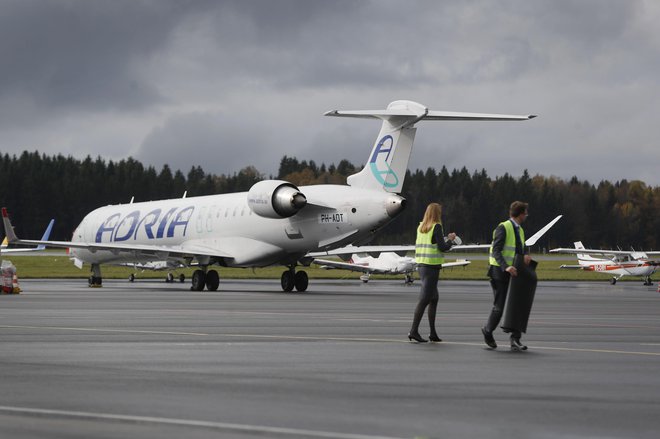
column 429, row 246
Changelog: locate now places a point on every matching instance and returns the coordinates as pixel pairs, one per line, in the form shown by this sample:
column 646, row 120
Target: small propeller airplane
column 385, row 263
column 5, row 251
column 391, row 259
column 614, row 262
column 169, row 265
column 274, row 223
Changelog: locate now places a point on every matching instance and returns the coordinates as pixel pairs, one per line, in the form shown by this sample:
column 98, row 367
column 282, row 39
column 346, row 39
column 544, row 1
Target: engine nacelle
column 275, row 199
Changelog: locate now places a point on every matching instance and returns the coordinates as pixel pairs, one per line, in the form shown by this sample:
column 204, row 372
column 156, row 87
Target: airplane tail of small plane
column 583, row 259
column 388, row 160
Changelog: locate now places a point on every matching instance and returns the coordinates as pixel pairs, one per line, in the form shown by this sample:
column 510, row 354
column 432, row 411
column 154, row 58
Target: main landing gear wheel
column 648, row 281
column 198, row 280
column 301, row 280
column 409, row 279
column 131, row 277
column 613, row 281
column 182, row 278
column 95, row 280
column 170, row 278
column 288, row 280
column 212, row 280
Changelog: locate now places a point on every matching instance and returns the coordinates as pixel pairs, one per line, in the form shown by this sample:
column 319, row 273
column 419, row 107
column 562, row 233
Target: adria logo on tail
column 380, row 167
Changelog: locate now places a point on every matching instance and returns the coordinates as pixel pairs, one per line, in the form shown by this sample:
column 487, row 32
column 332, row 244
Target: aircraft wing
column 590, row 251
column 325, row 263
column 375, row 250
column 401, row 250
column 372, row 250
column 161, row 251
column 462, row 247
column 39, row 247
column 457, row 263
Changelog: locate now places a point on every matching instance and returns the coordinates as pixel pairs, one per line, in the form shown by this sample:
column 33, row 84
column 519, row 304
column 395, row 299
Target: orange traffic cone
column 14, row 285
column 658, row 287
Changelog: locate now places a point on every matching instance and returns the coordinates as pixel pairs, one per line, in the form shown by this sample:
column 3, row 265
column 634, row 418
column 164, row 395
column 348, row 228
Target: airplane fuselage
column 226, row 222
column 629, row 268
column 387, row 262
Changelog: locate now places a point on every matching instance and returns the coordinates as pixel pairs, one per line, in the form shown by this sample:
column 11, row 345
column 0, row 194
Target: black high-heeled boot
column 434, row 338
column 415, row 336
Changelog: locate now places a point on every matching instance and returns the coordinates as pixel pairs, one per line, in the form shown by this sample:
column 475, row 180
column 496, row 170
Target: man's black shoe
column 488, row 338
column 516, row 345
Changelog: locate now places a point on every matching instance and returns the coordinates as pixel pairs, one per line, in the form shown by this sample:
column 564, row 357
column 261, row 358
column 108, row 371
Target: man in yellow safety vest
column 508, row 240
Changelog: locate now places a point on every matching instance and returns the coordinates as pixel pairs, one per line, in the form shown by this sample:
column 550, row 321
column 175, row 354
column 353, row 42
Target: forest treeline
column 37, row 187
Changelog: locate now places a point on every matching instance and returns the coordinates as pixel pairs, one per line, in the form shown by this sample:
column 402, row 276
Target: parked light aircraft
column 274, row 223
column 385, row 263
column 168, row 265
column 384, row 259
column 617, row 262
column 4, row 250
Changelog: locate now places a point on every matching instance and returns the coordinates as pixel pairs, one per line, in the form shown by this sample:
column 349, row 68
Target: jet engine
column 275, row 199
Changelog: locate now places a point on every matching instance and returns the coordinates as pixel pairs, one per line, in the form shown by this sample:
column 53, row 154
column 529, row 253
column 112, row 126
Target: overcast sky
column 226, row 84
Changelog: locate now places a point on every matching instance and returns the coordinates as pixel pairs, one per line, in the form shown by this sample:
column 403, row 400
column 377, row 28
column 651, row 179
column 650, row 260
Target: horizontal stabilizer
column 430, row 115
column 572, row 267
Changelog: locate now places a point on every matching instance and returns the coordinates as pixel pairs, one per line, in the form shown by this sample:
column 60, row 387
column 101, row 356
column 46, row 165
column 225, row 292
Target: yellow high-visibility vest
column 425, row 251
column 509, row 249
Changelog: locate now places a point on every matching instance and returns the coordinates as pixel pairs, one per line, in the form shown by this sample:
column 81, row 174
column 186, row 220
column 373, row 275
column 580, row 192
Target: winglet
column 535, row 237
column 46, row 234
column 9, row 229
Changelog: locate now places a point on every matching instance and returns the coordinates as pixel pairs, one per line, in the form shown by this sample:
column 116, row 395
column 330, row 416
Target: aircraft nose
column 394, row 205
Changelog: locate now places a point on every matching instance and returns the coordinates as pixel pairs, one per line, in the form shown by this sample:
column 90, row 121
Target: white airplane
column 384, row 263
column 4, row 250
column 616, row 262
column 384, row 259
column 168, row 265
column 274, row 223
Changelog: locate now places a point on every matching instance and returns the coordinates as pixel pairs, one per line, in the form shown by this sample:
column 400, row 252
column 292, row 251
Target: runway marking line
column 321, row 338
column 594, row 325
column 126, row 331
column 223, row 426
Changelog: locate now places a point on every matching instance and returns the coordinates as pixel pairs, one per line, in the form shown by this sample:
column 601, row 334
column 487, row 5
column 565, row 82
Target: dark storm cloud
column 84, row 54
column 226, row 84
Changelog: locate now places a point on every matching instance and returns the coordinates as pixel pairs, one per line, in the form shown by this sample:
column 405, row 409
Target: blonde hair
column 432, row 216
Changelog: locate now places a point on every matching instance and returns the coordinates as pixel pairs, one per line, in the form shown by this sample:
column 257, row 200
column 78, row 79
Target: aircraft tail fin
column 581, row 256
column 388, row 160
